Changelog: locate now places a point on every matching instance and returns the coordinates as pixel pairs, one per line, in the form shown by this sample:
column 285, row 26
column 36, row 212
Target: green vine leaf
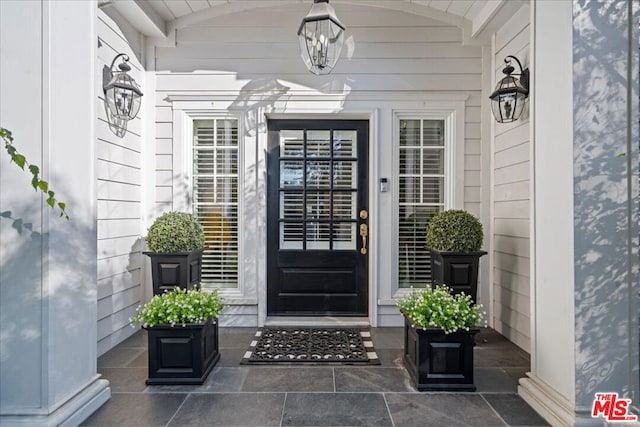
column 38, row 184
column 19, row 160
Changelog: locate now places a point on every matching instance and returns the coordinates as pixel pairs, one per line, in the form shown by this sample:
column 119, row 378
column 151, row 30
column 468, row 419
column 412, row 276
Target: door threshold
column 311, row 321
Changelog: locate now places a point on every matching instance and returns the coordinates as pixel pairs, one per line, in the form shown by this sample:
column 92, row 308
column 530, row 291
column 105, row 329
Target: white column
column 48, row 285
column 585, row 215
column 551, row 380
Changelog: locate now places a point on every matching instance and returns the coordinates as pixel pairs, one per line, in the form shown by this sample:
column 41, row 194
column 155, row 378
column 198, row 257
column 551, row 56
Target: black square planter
column 182, row 354
column 179, row 269
column 437, row 361
column 457, row 270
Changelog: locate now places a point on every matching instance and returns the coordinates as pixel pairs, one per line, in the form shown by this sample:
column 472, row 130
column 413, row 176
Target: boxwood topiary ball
column 175, row 232
column 454, row 231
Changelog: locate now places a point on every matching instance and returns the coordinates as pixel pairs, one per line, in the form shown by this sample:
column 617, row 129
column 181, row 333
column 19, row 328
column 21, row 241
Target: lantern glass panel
column 321, row 42
column 507, row 101
column 123, row 97
column 508, row 107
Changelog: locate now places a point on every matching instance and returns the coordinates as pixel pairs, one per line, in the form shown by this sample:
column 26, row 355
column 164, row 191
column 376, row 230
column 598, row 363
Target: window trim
column 453, row 119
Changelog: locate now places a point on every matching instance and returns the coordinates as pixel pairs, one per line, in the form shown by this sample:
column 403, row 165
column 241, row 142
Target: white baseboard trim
column 72, row 413
column 551, row 405
column 555, row 408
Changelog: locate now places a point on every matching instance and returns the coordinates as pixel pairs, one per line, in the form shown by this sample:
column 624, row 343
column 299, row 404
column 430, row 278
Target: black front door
column 317, row 216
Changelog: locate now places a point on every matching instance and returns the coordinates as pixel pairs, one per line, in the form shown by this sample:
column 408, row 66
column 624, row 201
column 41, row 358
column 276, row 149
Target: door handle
column 364, row 232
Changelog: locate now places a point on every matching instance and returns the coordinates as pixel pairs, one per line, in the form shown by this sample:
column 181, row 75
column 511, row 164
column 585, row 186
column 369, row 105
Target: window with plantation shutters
column 421, row 194
column 215, row 198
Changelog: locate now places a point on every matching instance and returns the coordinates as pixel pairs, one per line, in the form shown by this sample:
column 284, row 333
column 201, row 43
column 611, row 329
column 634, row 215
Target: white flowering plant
column 440, row 308
column 179, row 307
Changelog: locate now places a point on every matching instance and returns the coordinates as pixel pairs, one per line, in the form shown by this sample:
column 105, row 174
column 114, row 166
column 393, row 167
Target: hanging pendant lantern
column 121, row 91
column 508, row 99
column 321, row 36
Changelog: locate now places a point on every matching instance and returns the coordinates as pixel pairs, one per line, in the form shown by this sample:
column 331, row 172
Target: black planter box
column 182, row 354
column 457, row 270
column 179, row 269
column 437, row 361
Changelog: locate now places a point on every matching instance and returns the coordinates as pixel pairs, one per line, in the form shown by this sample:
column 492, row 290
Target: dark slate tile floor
column 240, row 395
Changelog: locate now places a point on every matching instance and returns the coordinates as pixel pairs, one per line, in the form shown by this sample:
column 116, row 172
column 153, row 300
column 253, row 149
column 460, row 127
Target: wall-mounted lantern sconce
column 507, row 100
column 321, row 36
column 121, row 92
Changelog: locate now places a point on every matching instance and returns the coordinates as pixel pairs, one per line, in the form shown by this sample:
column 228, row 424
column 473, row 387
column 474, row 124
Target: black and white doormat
column 348, row 346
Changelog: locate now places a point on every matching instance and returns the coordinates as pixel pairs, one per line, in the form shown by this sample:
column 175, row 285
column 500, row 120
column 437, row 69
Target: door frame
column 373, row 118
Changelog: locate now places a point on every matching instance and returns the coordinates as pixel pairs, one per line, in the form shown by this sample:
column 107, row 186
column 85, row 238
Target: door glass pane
column 344, row 174
column 291, row 205
column 318, row 205
column 344, row 143
column 317, row 235
column 344, row 205
column 318, row 173
column 344, row 236
column 318, row 143
column 291, row 235
column 291, row 173
column 291, row 143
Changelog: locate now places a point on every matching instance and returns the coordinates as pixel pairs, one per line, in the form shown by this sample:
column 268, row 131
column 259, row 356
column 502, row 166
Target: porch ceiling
column 157, row 18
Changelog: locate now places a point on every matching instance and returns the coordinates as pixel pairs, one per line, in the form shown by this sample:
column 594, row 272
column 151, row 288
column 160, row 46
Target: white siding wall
column 118, row 190
column 250, row 61
column 390, row 51
column 511, row 166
